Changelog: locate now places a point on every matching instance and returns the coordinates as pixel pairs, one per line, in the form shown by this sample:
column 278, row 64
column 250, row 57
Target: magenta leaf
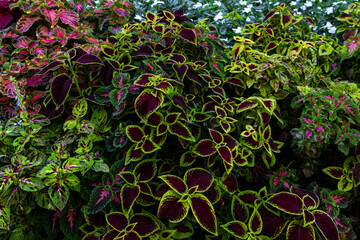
column 128, row 196
column 204, row 148
column 287, row 202
column 25, row 23
column 69, row 17
column 200, row 178
column 175, row 183
column 171, row 208
column 145, row 225
column 60, row 88
column 99, row 198
column 204, row 212
column 146, row 103
column 117, row 221
column 325, row 225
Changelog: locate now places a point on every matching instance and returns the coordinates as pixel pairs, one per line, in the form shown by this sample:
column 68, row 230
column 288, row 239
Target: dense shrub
column 115, row 128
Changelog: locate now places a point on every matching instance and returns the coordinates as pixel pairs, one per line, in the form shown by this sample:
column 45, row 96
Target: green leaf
column 59, row 195
column 80, row 108
column 31, row 184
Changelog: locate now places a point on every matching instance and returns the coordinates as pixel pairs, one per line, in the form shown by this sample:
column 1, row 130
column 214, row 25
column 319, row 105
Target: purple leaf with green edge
column 308, row 217
column 172, row 118
column 99, row 198
column 133, row 155
column 245, row 105
column 252, row 143
column 356, row 174
column 25, row 22
column 286, row 19
column 171, row 208
column 125, row 58
column 149, row 146
column 128, row 196
column 334, row 172
column 175, row 183
column 60, row 87
column 145, row 189
column 268, row 16
column 164, row 87
column 132, row 236
column 204, row 212
column 209, row 107
column 297, row 232
column 128, row 177
column 269, row 104
column 287, row 202
column 301, row 193
column 51, row 66
column 248, row 197
column 271, row 46
column 69, row 17
column 102, row 94
column 89, row 59
column 161, row 129
column 180, row 71
column 96, row 220
column 146, row 103
column 204, row 148
column 268, row 159
column 135, row 133
column 145, row 224
column 91, row 236
column 145, row 50
column 230, row 141
column 184, row 230
column 326, row 225
column 225, row 154
column 273, row 225
column 264, row 117
column 179, row 101
column 180, row 130
column 155, row 119
column 239, row 210
column 188, row 34
column 216, row 136
column 198, row 177
column 235, row 81
column 220, row 112
column 117, row 221
column 309, row 202
column 236, row 228
column 145, row 170
column 111, row 235
column 345, row 185
column 187, row 159
column 255, row 222
column 59, row 195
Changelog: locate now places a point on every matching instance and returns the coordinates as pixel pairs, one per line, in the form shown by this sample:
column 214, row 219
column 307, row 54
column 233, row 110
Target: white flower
column 237, row 30
column 197, row 5
column 156, row 2
column 329, row 10
column 218, row 16
column 217, row 3
column 277, row 3
column 243, row 2
column 332, row 30
column 292, row 3
column 308, row 4
column 138, row 17
column 303, row 7
column 248, row 19
column 248, row 8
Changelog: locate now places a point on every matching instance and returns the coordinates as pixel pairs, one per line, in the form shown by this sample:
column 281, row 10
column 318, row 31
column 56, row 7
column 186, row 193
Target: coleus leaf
column 145, row 170
column 128, row 196
column 245, row 105
column 187, row 159
column 334, row 172
column 31, row 184
column 287, row 202
column 200, row 178
column 60, row 87
column 180, row 130
column 273, row 225
column 188, row 34
column 236, row 228
column 204, row 148
column 175, row 183
column 88, row 59
column 255, row 222
column 25, row 22
column 59, row 195
column 99, row 198
column 117, row 221
column 326, row 225
column 135, row 133
column 171, row 208
column 204, row 212
column 145, row 224
column 69, row 17
column 239, row 210
column 297, row 232
column 147, row 103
